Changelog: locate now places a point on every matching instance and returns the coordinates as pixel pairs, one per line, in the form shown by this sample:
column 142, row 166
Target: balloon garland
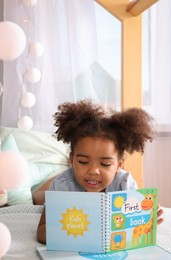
column 32, row 74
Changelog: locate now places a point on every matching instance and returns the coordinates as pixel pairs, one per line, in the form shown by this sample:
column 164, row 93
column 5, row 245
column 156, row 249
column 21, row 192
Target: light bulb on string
column 25, row 123
column 36, row 49
column 33, row 75
column 28, row 99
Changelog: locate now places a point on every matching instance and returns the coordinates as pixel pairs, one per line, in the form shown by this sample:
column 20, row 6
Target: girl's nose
column 94, row 171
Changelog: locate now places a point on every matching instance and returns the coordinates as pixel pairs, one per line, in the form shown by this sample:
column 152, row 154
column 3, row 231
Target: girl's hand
column 159, row 214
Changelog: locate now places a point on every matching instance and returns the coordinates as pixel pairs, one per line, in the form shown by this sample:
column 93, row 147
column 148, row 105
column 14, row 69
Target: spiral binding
column 108, row 221
column 105, row 222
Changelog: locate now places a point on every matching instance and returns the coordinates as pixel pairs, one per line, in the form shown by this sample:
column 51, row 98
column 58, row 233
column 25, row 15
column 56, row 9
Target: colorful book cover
column 100, row 222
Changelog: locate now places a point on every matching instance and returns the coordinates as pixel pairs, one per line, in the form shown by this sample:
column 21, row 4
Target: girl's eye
column 106, row 164
column 82, row 162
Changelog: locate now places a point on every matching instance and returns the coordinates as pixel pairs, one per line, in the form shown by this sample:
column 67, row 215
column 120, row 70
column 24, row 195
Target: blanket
column 22, row 221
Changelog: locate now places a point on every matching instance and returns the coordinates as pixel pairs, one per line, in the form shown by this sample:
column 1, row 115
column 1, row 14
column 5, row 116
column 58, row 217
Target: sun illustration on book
column 118, row 202
column 74, row 222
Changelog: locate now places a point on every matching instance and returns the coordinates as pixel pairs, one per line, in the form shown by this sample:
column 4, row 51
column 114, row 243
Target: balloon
column 28, row 99
column 3, row 197
column 29, row 2
column 12, row 40
column 25, row 123
column 5, row 239
column 13, row 170
column 36, row 49
column 33, row 75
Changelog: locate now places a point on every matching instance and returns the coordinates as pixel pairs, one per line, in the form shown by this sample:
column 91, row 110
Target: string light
column 32, row 74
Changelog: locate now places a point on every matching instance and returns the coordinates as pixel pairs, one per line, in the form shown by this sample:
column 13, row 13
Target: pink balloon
column 5, row 239
column 13, row 170
column 3, row 197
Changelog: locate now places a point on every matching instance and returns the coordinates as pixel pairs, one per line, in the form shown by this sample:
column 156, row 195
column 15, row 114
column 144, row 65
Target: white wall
column 157, row 167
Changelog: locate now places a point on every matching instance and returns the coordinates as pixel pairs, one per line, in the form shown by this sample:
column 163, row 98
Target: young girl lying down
column 98, row 143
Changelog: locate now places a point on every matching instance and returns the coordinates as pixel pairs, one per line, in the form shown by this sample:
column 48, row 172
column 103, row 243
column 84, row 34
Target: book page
column 74, row 221
column 133, row 219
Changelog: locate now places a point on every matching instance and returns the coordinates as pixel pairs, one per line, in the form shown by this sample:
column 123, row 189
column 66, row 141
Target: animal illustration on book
column 101, row 222
column 118, row 220
column 147, row 228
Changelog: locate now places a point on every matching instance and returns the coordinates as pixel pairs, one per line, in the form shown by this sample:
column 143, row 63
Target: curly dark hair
column 129, row 129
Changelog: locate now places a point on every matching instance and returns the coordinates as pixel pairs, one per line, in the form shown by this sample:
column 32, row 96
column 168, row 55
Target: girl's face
column 95, row 162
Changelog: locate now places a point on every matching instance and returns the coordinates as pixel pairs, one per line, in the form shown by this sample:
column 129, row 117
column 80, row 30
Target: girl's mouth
column 92, row 182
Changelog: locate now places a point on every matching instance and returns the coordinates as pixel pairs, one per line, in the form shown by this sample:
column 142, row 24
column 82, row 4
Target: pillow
column 37, row 146
column 39, row 172
column 9, row 144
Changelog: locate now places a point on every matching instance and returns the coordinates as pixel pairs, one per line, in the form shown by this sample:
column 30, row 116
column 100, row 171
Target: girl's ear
column 121, row 163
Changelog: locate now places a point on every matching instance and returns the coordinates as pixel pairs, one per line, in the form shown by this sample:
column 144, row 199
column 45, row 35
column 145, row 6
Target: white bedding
column 22, row 222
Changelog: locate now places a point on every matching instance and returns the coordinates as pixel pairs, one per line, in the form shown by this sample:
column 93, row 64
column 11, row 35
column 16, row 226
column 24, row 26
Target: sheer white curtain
column 157, row 97
column 83, row 59
column 68, row 50
column 157, row 62
column 73, row 66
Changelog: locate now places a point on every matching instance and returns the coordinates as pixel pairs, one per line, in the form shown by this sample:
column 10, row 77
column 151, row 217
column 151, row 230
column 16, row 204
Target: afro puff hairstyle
column 129, row 129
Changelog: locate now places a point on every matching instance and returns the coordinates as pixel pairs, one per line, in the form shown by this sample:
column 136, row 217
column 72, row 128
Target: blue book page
column 133, row 219
column 74, row 221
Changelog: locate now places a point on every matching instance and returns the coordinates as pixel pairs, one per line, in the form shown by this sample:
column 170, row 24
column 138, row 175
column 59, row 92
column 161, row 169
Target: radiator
column 157, row 167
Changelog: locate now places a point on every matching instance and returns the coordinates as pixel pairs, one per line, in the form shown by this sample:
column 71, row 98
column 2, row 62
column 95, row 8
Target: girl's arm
column 39, row 195
column 41, row 229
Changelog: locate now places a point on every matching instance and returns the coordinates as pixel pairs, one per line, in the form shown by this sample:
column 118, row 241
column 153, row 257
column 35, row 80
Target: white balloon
column 25, row 123
column 29, row 2
column 36, row 49
column 12, row 40
column 28, row 99
column 33, row 75
column 5, row 239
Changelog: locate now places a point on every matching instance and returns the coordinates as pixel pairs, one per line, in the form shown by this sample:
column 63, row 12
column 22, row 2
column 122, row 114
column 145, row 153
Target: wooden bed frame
column 129, row 14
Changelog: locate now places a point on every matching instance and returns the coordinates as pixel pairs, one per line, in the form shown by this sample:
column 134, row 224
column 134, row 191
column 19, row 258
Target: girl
column 98, row 142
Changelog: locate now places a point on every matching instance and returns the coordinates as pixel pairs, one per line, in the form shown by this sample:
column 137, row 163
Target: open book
column 101, row 222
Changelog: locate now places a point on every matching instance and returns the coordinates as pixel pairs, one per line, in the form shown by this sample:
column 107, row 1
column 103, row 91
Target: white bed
column 22, row 222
